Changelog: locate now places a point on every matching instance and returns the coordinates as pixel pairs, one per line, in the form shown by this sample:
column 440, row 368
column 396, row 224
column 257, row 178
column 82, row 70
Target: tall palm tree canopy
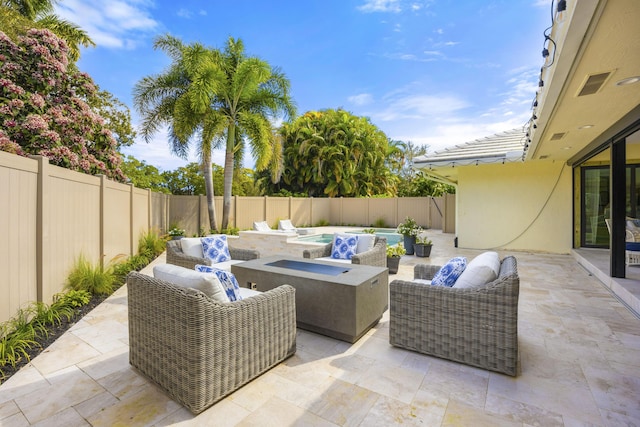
column 181, row 98
column 248, row 99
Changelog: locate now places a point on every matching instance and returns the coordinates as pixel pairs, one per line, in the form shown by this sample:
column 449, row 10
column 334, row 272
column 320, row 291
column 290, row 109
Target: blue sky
column 435, row 72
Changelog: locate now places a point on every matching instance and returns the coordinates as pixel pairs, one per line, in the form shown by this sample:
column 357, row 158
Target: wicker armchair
column 199, row 350
column 376, row 257
column 476, row 326
column 176, row 256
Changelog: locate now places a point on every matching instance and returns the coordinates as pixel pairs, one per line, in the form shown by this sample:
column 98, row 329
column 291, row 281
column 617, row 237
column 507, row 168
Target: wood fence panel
column 383, row 211
column 18, row 248
column 71, row 225
column 159, row 212
column 416, row 208
column 276, row 208
column 250, row 210
column 320, row 211
column 300, row 211
column 117, row 223
column 140, row 215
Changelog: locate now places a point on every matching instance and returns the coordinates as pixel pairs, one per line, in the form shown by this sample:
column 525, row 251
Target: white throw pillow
column 192, row 246
column 366, row 242
column 208, row 283
column 481, row 270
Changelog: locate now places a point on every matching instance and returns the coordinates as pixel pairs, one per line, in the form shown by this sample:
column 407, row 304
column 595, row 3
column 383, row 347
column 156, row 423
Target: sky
column 430, row 72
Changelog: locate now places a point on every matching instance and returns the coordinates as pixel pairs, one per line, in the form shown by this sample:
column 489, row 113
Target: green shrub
column 73, row 298
column 380, row 223
column 14, row 345
column 322, row 223
column 231, row 231
column 151, row 244
column 94, row 279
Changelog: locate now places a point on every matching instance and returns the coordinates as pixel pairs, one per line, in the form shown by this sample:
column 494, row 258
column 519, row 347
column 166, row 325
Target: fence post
column 131, row 231
column 42, row 226
column 103, row 181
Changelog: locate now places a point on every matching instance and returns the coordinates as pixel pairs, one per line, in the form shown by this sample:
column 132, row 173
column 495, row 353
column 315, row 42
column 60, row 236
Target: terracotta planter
column 422, row 250
column 393, row 262
column 409, row 241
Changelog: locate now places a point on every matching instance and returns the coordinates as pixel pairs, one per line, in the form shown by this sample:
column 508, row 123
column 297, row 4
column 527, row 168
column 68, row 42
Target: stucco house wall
column 515, row 206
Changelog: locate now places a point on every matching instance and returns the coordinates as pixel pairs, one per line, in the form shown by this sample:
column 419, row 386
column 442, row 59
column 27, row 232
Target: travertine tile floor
column 580, row 358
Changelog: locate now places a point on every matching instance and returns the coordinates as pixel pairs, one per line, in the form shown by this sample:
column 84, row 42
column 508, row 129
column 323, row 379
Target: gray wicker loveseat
column 477, row 326
column 199, row 350
column 176, row 256
column 377, row 256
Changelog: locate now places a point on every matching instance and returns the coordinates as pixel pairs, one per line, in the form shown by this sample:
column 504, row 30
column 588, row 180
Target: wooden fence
column 49, row 216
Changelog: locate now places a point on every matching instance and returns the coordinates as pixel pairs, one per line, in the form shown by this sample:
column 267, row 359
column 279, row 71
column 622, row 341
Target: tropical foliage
column 249, row 94
column 44, row 107
column 39, row 13
column 143, row 175
column 332, row 153
column 181, row 98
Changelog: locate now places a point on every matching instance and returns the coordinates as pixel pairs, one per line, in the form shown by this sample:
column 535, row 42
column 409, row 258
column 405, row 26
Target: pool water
column 389, row 233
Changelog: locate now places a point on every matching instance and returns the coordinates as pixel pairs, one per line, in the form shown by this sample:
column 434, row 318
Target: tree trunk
column 228, row 175
column 208, row 186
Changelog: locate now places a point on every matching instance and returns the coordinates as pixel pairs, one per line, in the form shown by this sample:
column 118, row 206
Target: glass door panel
column 595, row 206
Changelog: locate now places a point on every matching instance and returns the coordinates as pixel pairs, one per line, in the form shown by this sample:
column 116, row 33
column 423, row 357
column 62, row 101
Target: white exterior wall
column 515, row 206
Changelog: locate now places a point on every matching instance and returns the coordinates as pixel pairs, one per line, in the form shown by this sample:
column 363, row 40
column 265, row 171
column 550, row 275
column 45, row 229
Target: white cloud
column 184, row 13
column 381, row 6
column 420, row 107
column 117, row 24
column 361, row 99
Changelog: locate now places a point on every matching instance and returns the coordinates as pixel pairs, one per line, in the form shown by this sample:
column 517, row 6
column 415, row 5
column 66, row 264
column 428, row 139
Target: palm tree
column 247, row 99
column 41, row 12
column 181, row 99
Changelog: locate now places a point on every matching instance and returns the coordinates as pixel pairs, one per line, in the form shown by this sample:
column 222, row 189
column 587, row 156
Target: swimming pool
column 389, row 233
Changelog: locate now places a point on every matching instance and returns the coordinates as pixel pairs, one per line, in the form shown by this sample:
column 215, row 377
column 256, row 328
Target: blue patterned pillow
column 229, row 283
column 216, row 248
column 344, row 246
column 449, row 272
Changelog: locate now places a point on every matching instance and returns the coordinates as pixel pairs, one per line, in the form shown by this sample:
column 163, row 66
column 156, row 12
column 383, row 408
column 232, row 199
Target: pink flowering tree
column 44, row 107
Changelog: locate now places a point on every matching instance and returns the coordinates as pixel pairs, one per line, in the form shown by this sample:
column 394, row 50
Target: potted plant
column 423, row 246
column 394, row 253
column 410, row 230
column 176, row 233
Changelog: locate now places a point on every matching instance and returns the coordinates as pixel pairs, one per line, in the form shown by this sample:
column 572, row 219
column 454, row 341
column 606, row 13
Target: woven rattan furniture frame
column 474, row 326
column 377, row 256
column 177, row 257
column 199, row 350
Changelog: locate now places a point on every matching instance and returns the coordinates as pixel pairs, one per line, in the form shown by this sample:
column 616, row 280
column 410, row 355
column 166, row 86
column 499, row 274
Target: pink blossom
column 34, row 122
column 36, row 100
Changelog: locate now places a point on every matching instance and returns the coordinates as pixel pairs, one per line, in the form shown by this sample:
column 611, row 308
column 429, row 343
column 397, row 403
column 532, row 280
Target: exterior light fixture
column 585, row 127
column 628, row 81
column 545, row 52
column 541, row 83
column 561, row 11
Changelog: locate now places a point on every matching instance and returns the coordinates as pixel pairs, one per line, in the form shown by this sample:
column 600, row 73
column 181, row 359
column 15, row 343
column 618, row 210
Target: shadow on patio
column 579, row 347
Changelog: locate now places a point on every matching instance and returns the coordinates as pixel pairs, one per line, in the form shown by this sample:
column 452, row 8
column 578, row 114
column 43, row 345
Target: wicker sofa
column 376, row 257
column 176, row 256
column 475, row 326
column 199, row 350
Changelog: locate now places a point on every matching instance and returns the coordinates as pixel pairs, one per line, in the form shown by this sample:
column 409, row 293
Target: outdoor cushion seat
column 375, row 255
column 188, row 253
column 287, row 226
column 199, row 350
column 262, row 226
column 477, row 325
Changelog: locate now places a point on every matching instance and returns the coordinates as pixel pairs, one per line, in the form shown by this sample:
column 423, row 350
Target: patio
column 580, row 363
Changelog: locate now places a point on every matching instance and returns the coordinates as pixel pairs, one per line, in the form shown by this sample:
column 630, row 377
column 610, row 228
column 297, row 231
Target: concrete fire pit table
column 342, row 301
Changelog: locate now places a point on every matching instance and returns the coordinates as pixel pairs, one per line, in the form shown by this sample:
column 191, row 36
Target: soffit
column 608, row 42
